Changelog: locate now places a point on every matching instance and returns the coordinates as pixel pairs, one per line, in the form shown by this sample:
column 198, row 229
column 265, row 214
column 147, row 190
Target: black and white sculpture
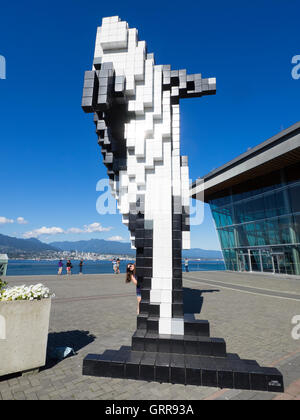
column 136, row 111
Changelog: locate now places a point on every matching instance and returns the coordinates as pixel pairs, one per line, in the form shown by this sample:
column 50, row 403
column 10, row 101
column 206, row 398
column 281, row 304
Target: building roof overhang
column 275, row 153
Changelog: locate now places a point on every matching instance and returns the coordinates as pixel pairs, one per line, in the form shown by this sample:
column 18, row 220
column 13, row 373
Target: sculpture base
column 221, row 372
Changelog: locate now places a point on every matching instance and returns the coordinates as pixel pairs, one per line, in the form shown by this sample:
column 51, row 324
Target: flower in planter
column 33, row 292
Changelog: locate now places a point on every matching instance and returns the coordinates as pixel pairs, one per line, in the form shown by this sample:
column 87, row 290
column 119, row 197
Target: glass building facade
column 258, row 222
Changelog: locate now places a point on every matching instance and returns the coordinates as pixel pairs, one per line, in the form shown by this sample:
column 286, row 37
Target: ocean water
column 38, row 268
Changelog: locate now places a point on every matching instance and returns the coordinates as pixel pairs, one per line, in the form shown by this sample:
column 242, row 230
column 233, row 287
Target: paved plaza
column 93, row 313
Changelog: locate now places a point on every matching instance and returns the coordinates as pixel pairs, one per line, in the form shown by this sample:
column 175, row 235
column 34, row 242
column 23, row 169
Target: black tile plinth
column 147, row 367
column 225, row 373
column 177, row 368
column 162, row 367
column 132, row 365
column 274, row 380
column 152, row 324
column 258, row 381
column 241, row 375
column 142, row 321
column 138, row 340
column 194, row 345
column 185, row 369
column 209, row 372
column 193, row 370
column 151, row 342
column 197, row 327
column 99, row 365
column 218, row 347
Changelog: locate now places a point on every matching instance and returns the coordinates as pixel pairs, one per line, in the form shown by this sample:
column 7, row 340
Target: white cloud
column 21, row 221
column 5, row 220
column 115, row 239
column 43, row 231
column 75, row 230
column 93, row 227
column 96, row 227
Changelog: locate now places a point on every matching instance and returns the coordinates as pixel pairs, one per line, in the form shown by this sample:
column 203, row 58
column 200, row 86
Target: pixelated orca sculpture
column 136, row 111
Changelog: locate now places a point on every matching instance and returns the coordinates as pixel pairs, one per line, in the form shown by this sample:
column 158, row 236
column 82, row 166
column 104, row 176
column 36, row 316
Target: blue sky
column 50, row 160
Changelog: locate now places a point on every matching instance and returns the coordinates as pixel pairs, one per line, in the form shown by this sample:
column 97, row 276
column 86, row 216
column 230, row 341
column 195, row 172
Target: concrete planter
column 24, row 326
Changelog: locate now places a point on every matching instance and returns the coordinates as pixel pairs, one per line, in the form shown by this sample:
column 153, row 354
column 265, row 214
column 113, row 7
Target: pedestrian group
column 69, row 267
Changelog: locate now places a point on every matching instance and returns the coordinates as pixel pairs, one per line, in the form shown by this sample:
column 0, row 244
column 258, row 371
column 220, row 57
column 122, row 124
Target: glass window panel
column 227, row 237
column 215, row 215
column 296, row 260
column 297, row 227
column 242, row 236
column 255, row 260
column 223, row 238
column 284, row 224
column 231, row 238
column 230, row 260
column 295, row 198
column 270, row 205
column 237, row 213
column 272, row 231
column 267, row 261
column 247, row 211
column 257, row 208
column 250, row 233
column 289, row 260
column 243, row 260
column 242, row 212
column 261, row 234
column 282, row 203
column 226, row 216
column 222, row 216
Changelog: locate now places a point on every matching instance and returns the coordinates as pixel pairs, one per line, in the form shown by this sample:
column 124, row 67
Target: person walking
column 186, row 265
column 60, row 267
column 131, row 278
column 80, row 266
column 69, row 267
column 118, row 266
column 114, row 264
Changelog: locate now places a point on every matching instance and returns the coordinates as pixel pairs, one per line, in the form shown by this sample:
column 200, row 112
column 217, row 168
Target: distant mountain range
column 13, row 246
column 10, row 245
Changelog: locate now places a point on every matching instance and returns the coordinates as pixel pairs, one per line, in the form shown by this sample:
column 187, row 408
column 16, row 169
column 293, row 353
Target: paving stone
column 19, row 395
column 7, row 395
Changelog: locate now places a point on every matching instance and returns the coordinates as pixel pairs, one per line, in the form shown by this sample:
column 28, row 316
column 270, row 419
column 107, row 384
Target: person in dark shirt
column 80, row 266
column 69, row 267
column 131, row 278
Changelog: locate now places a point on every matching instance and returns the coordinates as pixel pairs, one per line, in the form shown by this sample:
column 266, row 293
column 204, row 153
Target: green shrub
column 2, row 284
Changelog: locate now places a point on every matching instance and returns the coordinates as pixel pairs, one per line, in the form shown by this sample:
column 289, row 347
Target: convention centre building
column 255, row 203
